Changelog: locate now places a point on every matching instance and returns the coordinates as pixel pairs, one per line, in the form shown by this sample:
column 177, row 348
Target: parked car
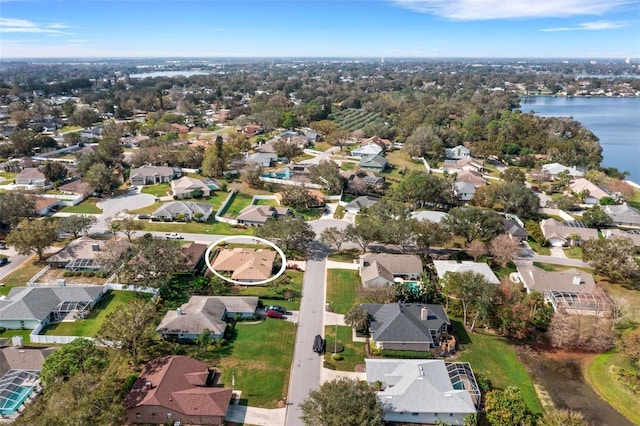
column 274, row 314
column 280, row 309
column 173, row 236
column 3, row 261
column 3, row 245
column 144, row 216
column 318, row 344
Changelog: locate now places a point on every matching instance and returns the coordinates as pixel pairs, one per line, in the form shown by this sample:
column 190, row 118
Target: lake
column 615, row 121
column 154, row 74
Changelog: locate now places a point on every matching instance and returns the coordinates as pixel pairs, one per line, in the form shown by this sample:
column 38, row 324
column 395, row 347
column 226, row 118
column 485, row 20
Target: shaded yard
column 342, row 286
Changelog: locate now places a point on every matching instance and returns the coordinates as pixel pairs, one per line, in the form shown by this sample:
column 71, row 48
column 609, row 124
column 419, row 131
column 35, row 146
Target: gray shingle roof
column 400, row 322
column 183, row 207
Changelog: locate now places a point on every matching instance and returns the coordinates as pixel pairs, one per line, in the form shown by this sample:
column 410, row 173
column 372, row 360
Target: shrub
column 388, row 353
column 329, row 365
column 337, row 357
column 129, row 382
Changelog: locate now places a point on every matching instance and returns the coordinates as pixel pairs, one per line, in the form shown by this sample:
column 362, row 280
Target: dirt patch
column 560, row 378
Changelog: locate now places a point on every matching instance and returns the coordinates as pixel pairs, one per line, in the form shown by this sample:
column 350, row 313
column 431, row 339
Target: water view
column 616, row 121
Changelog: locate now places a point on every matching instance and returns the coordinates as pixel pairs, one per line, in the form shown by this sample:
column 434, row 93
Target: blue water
column 615, row 121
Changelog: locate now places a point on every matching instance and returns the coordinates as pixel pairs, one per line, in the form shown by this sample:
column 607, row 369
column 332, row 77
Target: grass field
column 635, row 200
column 260, row 359
column 542, row 251
column 573, row 252
column 88, row 206
column 266, row 203
column 342, row 285
column 353, row 351
column 90, row 326
column 239, row 202
column 209, row 227
column 344, row 255
column 495, row 358
column 158, row 190
column 20, row 276
column 267, row 292
column 599, row 376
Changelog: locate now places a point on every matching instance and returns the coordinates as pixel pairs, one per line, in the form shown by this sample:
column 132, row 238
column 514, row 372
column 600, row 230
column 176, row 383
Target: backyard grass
column 493, row 357
column 266, row 203
column 89, row 327
column 239, row 202
column 573, row 252
column 401, row 159
column 309, row 214
column 209, row 227
column 20, row 276
column 348, row 165
column 601, row 379
column 259, row 359
column 88, row 206
column 353, row 353
column 342, row 285
column 628, row 299
column 158, row 190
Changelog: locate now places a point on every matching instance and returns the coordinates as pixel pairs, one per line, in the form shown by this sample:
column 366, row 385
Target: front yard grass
column 342, row 286
column 89, row 327
column 541, row 250
column 601, row 379
column 344, row 255
column 20, row 276
column 573, row 252
column 259, row 359
column 158, row 190
column 353, row 353
column 495, row 358
column 88, row 206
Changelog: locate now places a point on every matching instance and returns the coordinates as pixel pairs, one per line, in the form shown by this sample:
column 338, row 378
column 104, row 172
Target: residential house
column 407, row 326
column 180, row 129
column 560, row 234
column 205, row 313
column 91, row 133
column 373, row 162
column 31, row 176
column 456, row 166
column 178, row 390
column 385, row 144
column 474, row 178
column 464, row 191
column 311, row 135
column 184, row 187
column 514, row 230
column 150, row 175
column 571, row 290
column 293, row 172
column 356, row 205
column 633, row 235
column 254, row 129
column 428, row 215
column 77, row 187
column 384, row 269
column 183, row 210
column 622, row 214
column 363, row 182
column 29, row 307
column 245, row 264
column 595, row 193
column 264, row 159
column 444, row 266
column 45, row 205
column 81, row 254
column 365, row 150
column 424, row 391
column 457, row 152
column 258, row 215
column 556, row 168
column 194, row 256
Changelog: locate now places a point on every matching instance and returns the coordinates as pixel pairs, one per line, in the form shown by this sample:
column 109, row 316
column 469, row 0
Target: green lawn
column 239, row 202
column 148, row 209
column 603, row 382
column 269, row 294
column 573, row 252
column 209, row 227
column 158, row 190
column 342, row 285
column 493, row 357
column 348, row 165
column 20, row 276
column 266, row 203
column 309, row 214
column 635, row 200
column 70, row 129
column 353, row 351
column 320, row 146
column 88, row 206
column 8, row 334
column 260, row 358
column 542, row 251
column 90, row 326
column 344, row 255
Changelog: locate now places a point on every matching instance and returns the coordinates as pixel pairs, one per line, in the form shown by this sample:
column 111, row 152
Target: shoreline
column 632, row 183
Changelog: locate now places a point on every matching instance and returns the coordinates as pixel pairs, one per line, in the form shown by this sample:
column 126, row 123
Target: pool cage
column 584, row 303
column 15, row 388
column 462, row 377
column 80, row 310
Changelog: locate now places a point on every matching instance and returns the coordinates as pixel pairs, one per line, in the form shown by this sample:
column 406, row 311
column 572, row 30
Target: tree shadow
column 460, row 332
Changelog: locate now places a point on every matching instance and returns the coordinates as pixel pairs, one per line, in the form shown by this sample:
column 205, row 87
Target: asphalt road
column 15, row 260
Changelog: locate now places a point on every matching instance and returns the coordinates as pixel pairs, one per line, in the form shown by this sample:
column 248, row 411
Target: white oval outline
column 232, row 237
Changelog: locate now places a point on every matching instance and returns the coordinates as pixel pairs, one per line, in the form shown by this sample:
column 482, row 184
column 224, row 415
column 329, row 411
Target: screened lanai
column 15, row 388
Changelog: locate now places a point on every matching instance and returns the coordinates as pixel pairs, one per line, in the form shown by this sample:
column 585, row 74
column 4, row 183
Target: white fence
column 556, row 212
column 34, row 280
column 223, row 206
column 289, row 182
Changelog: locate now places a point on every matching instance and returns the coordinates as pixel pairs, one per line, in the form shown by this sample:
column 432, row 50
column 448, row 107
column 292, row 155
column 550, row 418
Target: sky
column 320, row 28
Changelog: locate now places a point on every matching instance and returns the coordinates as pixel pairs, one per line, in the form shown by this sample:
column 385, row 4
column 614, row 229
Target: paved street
column 112, row 206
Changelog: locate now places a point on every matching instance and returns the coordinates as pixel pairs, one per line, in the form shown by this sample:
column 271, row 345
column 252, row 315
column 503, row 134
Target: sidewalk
column 242, row 414
column 332, row 264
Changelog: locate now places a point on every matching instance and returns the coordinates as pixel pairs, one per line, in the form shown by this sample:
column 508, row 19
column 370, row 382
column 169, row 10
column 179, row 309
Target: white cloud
column 474, row 10
column 590, row 26
column 13, row 25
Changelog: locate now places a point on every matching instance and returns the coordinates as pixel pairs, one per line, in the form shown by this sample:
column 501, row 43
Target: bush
column 337, row 357
column 389, row 353
column 129, row 382
column 329, row 365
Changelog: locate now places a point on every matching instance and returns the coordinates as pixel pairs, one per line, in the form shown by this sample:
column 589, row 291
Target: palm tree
column 358, row 318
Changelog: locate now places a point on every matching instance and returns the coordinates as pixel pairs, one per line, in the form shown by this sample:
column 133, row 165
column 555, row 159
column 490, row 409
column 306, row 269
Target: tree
column 33, row 236
column 514, row 198
column 474, row 224
column 508, row 407
column 467, row 287
column 342, row 401
column 334, row 237
column 377, row 294
column 290, row 233
column 504, row 249
column 114, row 255
column 582, row 331
column 128, row 325
column 327, row 174
column 81, row 356
column 76, row 224
column 613, row 257
column 298, row 197
column 129, row 226
column 513, row 174
column 361, row 235
column 629, row 345
column 476, row 248
column 154, row 261
column 287, row 149
column 251, row 175
column 102, row 178
column 358, row 318
column 428, row 234
column 216, row 158
column 84, row 117
column 14, row 208
column 596, row 218
column 557, row 417
column 54, row 172
column 421, row 189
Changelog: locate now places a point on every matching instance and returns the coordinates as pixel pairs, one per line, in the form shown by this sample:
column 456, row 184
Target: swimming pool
column 11, row 400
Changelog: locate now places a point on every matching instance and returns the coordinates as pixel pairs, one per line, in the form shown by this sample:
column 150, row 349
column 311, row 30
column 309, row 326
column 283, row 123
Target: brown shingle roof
column 245, row 263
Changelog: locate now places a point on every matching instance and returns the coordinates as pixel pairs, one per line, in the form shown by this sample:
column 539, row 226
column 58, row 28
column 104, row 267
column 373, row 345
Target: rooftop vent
column 95, row 247
column 577, row 279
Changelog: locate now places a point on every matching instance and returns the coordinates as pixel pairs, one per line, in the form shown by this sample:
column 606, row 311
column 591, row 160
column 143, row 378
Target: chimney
column 179, row 311
column 424, row 314
column 95, row 247
column 17, row 341
column 577, row 279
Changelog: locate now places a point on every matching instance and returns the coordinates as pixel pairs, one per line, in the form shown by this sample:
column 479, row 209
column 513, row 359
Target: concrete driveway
column 112, row 206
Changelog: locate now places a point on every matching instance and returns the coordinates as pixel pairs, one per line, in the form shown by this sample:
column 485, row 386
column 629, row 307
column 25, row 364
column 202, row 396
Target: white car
column 173, row 236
